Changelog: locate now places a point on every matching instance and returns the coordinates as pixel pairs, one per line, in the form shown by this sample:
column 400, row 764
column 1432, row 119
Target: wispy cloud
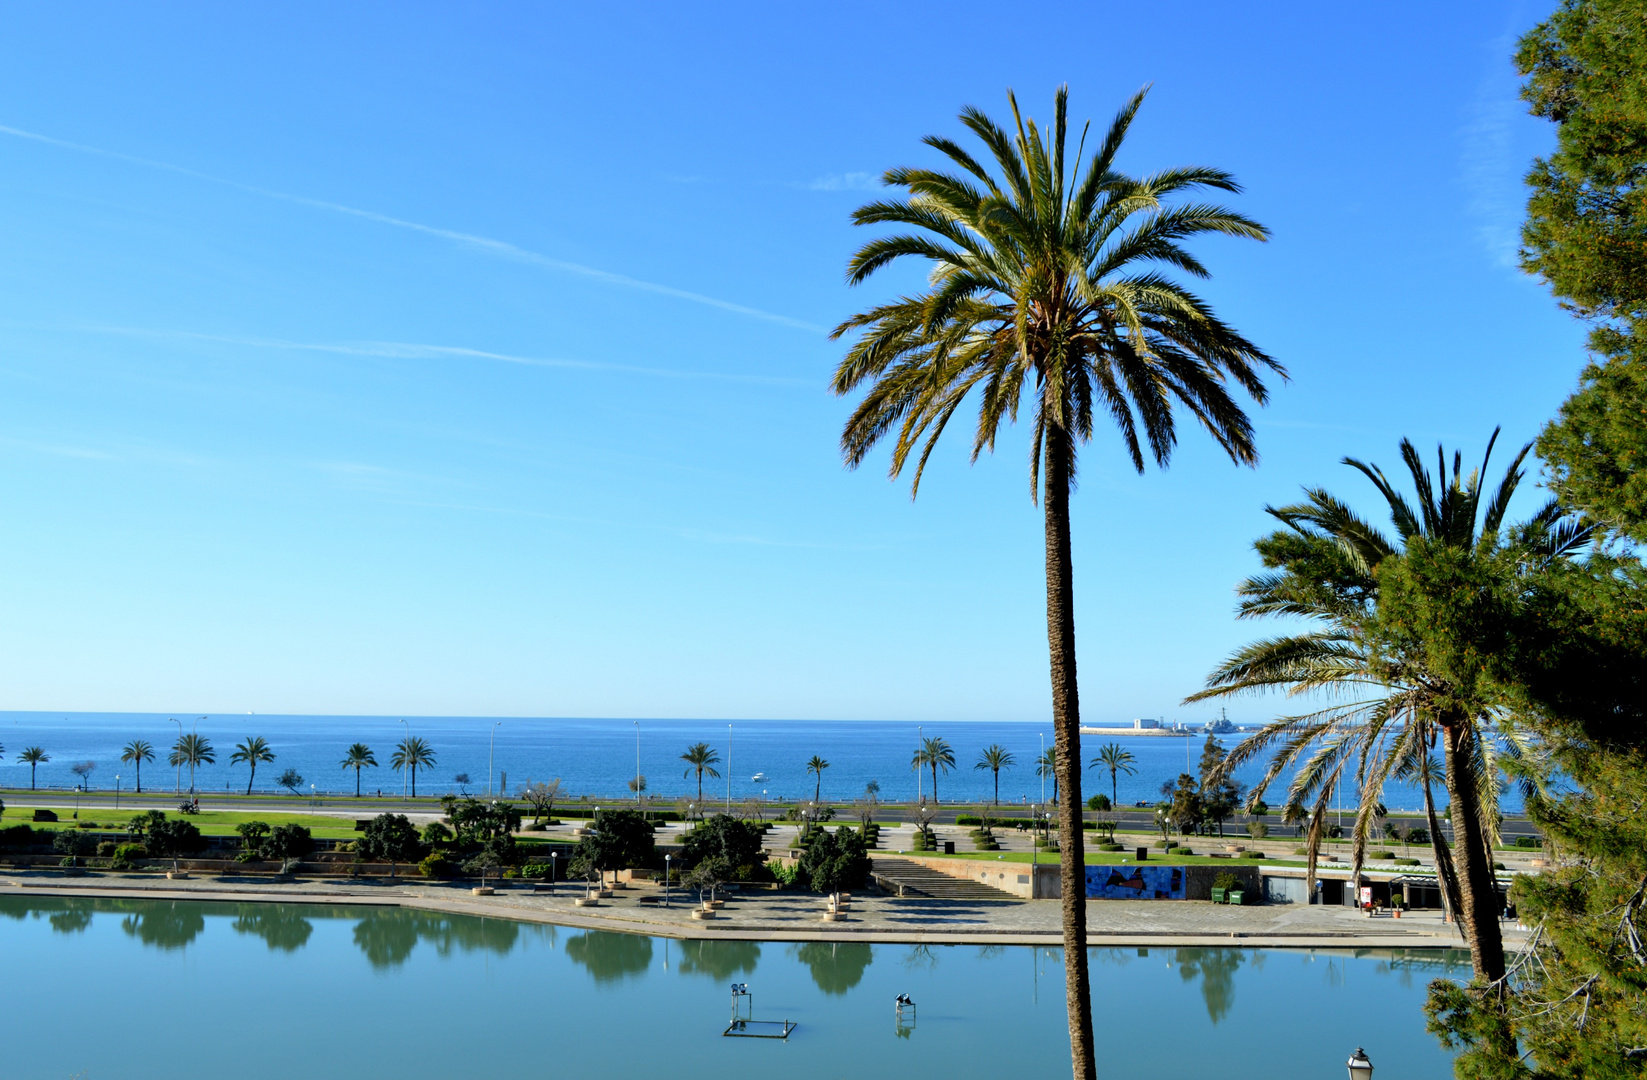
column 1490, row 167
column 501, row 248
column 405, row 350
column 852, row 181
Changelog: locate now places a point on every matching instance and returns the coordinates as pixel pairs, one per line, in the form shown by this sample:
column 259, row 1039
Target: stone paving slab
column 782, row 916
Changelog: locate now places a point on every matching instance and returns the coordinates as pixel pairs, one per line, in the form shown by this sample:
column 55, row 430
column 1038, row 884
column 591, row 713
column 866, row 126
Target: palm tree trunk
column 1446, row 879
column 357, row 781
column 1066, row 722
column 997, row 787
column 250, row 779
column 934, row 782
column 1477, row 886
column 414, row 787
column 140, row 777
column 1114, row 791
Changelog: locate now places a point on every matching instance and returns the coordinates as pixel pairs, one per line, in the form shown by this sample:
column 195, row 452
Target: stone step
column 912, row 879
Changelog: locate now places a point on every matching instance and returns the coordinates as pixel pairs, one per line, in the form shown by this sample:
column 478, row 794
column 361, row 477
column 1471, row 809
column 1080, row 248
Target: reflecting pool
column 134, row 989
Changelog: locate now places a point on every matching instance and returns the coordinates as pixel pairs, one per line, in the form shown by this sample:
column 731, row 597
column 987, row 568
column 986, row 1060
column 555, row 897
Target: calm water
column 175, row 989
column 594, row 757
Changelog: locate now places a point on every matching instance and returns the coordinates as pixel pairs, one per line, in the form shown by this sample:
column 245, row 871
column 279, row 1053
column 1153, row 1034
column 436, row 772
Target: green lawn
column 209, row 822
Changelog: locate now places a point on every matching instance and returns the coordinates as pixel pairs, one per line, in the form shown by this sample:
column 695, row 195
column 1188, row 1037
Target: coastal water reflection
column 381, row 966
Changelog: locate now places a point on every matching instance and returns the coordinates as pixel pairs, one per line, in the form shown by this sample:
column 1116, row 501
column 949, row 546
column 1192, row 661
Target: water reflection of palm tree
column 837, row 966
column 1216, row 970
column 611, row 957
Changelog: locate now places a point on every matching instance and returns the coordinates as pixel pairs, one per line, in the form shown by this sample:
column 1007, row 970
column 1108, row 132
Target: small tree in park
column 389, row 838
column 835, row 862
column 172, row 838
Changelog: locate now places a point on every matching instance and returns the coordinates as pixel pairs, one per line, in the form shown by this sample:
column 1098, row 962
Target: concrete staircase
column 904, row 878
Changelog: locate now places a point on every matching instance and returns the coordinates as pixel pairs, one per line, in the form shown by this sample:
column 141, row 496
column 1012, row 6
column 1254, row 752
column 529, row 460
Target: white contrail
column 405, row 350
column 486, row 243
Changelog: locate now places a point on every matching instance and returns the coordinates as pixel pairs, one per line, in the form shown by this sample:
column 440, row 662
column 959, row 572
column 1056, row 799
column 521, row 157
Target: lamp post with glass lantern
column 667, row 860
column 1360, row 1067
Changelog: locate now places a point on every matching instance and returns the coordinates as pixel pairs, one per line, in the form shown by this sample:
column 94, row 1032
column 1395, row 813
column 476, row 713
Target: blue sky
column 471, row 360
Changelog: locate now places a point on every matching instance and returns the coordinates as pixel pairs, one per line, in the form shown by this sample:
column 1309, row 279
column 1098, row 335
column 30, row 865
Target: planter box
column 702, row 913
column 834, row 916
column 586, row 901
column 483, row 890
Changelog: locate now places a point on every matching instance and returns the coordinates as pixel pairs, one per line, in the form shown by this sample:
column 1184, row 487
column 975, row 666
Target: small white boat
column 758, row 778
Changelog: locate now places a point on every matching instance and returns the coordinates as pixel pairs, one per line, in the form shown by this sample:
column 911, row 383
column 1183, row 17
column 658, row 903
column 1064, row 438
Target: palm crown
column 253, row 751
column 359, row 756
column 701, row 758
column 136, row 753
column 995, row 757
column 935, row 753
column 412, row 753
column 1117, row 759
column 1324, row 566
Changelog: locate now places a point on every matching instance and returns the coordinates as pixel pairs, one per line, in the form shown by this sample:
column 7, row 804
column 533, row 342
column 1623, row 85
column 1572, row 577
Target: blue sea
column 596, row 757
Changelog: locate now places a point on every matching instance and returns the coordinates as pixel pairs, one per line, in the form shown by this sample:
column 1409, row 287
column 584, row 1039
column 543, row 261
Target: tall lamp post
column 729, row 769
column 179, row 746
column 667, row 859
column 403, row 771
column 117, row 791
column 637, row 763
column 491, row 746
column 1360, row 1067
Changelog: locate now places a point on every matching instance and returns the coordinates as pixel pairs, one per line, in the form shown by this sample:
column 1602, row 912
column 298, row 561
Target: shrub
column 1529, row 841
column 126, row 856
column 436, row 834
column 1111, row 847
column 786, row 874
column 1181, row 850
column 1226, row 880
column 1498, row 866
column 536, row 870
column 1406, row 862
column 1382, row 856
column 1418, row 836
column 105, row 849
column 87, row 825
column 288, row 842
column 17, row 836
column 438, row 866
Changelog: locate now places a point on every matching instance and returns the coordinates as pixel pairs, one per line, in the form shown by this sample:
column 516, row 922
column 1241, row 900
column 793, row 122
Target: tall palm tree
column 1047, row 765
column 995, row 758
column 33, row 757
column 816, row 766
column 1117, row 759
column 137, row 752
column 702, row 758
column 192, row 750
column 1324, row 566
column 253, row 751
column 359, row 756
column 935, row 753
column 1049, row 275
column 412, row 753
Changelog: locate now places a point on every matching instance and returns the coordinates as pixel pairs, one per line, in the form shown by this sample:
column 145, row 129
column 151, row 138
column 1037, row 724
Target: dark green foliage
column 75, row 845
column 389, row 838
column 172, row 838
column 252, row 835
column 1574, row 1008
column 438, row 866
column 836, row 862
column 476, row 823
column 17, row 836
column 140, row 824
column 722, row 836
column 619, row 839
column 289, row 842
column 1220, row 794
column 1586, row 234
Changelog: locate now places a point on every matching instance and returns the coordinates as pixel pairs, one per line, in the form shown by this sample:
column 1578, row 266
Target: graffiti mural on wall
column 1135, row 882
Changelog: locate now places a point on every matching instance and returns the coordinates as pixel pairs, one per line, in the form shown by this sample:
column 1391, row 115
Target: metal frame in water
column 746, row 1026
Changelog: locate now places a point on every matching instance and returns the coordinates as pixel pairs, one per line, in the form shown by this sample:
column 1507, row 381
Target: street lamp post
column 491, row 745
column 117, row 791
column 729, row 769
column 637, row 763
column 667, row 859
column 179, row 747
column 1360, row 1067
